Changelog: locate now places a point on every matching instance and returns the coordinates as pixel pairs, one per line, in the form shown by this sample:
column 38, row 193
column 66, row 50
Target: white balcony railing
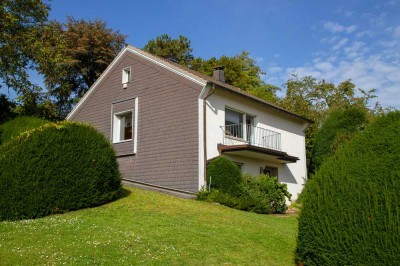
column 236, row 134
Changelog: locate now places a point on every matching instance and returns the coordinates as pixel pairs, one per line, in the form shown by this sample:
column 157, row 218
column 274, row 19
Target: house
column 166, row 122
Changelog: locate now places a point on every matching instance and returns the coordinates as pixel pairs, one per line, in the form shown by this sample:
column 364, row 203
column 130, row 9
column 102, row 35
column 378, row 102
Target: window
column 235, row 127
column 123, row 127
column 269, row 170
column 239, row 165
column 126, row 76
column 233, row 123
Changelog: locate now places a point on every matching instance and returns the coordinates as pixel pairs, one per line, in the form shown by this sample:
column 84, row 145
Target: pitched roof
column 206, row 79
column 190, row 74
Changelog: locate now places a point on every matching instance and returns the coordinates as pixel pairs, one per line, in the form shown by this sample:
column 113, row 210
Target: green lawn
column 151, row 228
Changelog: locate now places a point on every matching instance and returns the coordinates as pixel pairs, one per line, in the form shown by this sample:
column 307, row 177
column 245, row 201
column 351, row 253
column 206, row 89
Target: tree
column 313, row 99
column 6, row 109
column 18, row 19
column 178, row 50
column 73, row 55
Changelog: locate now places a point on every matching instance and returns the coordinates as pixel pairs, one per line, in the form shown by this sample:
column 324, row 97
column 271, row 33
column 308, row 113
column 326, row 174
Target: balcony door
column 250, row 128
column 233, row 123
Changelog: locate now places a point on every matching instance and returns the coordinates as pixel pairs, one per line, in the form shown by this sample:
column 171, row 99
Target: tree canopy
column 177, row 50
column 73, row 55
column 18, row 19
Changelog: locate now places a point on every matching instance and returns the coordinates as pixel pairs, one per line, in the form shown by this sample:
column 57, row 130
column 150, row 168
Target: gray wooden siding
column 167, row 149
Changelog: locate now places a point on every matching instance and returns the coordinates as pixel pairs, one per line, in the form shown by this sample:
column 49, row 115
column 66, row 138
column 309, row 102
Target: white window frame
column 244, row 114
column 117, row 126
column 126, row 76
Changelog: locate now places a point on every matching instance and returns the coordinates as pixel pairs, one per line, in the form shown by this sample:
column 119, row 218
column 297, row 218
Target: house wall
column 291, row 130
column 167, row 127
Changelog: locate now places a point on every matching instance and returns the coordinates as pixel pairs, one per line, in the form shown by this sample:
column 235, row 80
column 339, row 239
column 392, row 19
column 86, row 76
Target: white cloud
column 396, row 32
column 340, row 44
column 274, row 69
column 366, row 33
column 336, row 27
column 372, row 72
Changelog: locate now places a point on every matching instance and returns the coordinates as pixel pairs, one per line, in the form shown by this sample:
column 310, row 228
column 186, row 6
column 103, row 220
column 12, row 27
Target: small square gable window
column 126, row 76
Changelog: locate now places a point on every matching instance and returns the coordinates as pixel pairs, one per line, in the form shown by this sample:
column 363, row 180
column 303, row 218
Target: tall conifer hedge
column 351, row 208
column 56, row 168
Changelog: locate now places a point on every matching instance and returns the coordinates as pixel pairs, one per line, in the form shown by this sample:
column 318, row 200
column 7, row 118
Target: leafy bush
column 20, row 124
column 338, row 128
column 350, row 212
column 56, row 168
column 260, row 194
column 225, row 175
column 264, row 194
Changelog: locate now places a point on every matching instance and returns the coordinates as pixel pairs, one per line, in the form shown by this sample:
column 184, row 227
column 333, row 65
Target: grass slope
column 151, row 228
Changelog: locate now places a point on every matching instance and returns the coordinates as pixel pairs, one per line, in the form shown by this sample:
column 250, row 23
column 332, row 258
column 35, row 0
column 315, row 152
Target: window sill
column 125, row 155
column 123, row 141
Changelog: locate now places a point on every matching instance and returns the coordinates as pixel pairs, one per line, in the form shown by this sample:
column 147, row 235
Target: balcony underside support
column 252, row 151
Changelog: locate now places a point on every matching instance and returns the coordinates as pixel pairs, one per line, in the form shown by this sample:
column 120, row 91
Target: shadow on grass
column 123, row 193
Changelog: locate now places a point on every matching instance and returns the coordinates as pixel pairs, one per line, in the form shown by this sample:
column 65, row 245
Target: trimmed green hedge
column 339, row 127
column 351, row 208
column 56, row 168
column 18, row 125
column 225, row 175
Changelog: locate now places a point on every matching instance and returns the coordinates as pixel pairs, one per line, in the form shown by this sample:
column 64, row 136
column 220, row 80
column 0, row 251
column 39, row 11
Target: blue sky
column 332, row 40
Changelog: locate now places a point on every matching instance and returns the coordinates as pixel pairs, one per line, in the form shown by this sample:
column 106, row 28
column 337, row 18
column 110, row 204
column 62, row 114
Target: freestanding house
column 166, row 121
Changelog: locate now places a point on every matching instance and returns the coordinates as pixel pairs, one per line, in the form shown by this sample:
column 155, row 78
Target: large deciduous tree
column 73, row 55
column 18, row 19
column 313, row 99
column 178, row 50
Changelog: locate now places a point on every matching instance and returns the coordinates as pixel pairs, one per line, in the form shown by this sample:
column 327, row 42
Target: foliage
column 149, row 228
column 72, row 56
column 265, row 194
column 350, row 212
column 18, row 19
column 313, row 99
column 259, row 194
column 338, row 128
column 225, row 175
column 6, row 109
column 13, row 128
column 177, row 50
column 56, row 168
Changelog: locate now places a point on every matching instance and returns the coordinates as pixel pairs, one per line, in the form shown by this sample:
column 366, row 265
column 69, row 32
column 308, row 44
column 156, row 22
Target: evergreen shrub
column 351, row 208
column 18, row 125
column 56, row 168
column 339, row 127
column 225, row 175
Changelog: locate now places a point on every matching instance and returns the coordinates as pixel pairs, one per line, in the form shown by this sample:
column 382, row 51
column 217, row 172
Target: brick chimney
column 219, row 74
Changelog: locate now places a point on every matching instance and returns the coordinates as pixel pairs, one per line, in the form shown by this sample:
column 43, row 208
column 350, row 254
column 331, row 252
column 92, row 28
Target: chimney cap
column 219, row 68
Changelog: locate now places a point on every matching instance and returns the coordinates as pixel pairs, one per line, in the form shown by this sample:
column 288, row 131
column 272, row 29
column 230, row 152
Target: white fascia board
column 139, row 53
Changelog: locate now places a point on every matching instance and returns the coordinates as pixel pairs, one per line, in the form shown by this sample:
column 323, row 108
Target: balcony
column 251, row 141
column 252, row 135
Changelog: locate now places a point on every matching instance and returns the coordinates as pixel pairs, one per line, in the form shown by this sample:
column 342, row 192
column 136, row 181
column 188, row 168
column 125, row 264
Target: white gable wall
column 291, row 130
